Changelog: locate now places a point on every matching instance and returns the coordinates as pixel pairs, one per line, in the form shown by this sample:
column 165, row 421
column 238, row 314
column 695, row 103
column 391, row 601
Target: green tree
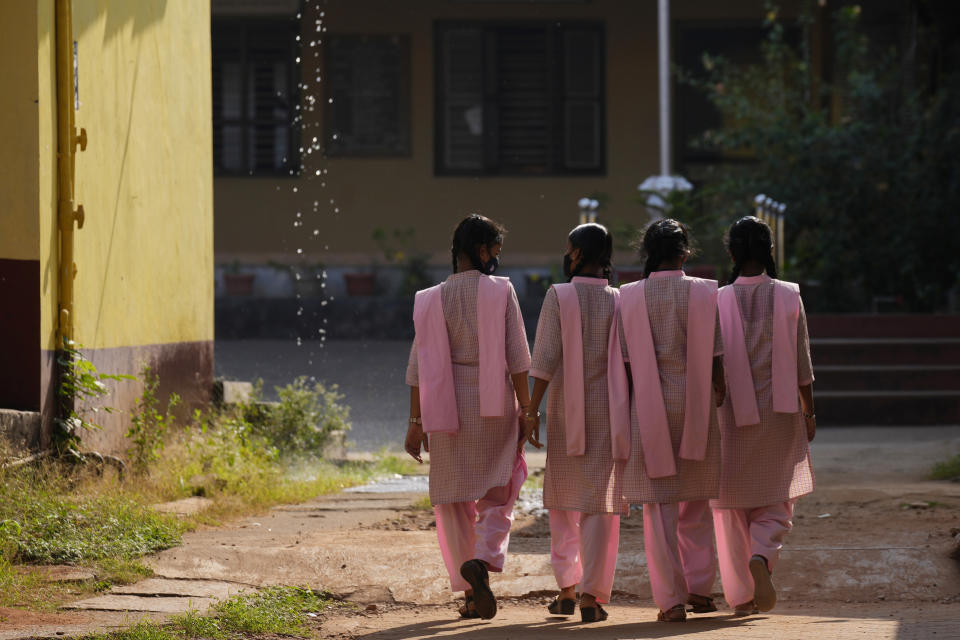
column 866, row 163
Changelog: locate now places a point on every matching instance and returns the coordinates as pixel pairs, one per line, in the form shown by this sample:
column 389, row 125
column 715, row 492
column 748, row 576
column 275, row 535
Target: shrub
column 302, row 422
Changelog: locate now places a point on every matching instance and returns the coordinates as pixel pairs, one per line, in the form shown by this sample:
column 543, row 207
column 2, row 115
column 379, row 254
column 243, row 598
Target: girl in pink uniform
column 766, row 427
column 467, row 374
column 582, row 483
column 671, row 338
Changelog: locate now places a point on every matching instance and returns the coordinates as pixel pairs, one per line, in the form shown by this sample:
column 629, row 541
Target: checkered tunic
column 667, row 302
column 589, row 483
column 766, row 463
column 480, row 456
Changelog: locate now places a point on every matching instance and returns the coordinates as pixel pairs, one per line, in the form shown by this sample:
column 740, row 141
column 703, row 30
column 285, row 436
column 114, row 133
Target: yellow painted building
column 143, row 291
column 391, row 130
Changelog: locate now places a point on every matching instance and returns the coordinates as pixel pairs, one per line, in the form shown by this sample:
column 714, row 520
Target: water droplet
column 336, row 209
column 323, row 303
column 323, row 184
column 299, row 341
column 318, row 170
column 297, row 60
column 316, row 232
column 331, row 200
column 335, row 136
column 294, row 189
column 330, row 100
column 299, row 251
column 313, row 43
column 297, row 38
column 298, row 214
column 300, row 311
column 316, row 204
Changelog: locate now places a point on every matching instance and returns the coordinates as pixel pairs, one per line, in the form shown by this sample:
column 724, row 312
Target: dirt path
column 868, row 557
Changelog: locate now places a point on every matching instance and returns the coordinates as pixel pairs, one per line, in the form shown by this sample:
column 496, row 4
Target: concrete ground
column 868, row 557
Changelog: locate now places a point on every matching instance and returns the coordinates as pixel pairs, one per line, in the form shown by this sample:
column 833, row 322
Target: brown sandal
column 468, row 610
column 562, row 607
column 677, row 613
column 746, row 609
column 701, row 604
column 475, row 573
column 593, row 614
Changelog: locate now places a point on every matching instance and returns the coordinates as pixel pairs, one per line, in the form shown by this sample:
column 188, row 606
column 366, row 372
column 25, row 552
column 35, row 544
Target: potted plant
column 400, row 249
column 237, row 283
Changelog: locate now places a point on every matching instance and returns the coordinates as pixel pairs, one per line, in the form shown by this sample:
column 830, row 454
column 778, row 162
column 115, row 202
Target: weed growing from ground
column 275, row 610
column 148, row 427
column 947, row 470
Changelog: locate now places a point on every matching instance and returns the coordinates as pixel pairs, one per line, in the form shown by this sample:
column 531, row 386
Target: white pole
column 663, row 40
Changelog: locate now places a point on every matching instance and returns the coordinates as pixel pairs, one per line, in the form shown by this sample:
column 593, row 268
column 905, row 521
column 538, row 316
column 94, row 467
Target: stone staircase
column 886, row 369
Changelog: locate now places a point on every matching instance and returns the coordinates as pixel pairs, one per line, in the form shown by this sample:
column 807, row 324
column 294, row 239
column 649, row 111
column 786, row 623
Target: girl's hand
column 415, row 439
column 531, row 430
column 811, row 421
column 719, row 391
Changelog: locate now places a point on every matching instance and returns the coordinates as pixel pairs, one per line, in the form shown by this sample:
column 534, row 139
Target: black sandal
column 593, row 614
column 564, row 607
column 701, row 604
column 475, row 573
column 469, row 610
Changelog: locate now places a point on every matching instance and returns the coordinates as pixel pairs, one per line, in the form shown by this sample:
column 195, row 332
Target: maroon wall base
column 20, row 330
column 184, row 368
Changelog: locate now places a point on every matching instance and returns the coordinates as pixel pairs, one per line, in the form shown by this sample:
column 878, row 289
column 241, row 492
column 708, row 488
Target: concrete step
column 899, row 325
column 885, row 351
column 835, row 408
column 856, row 377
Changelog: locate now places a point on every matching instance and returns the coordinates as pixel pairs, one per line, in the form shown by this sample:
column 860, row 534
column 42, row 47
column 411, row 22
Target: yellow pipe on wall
column 67, row 141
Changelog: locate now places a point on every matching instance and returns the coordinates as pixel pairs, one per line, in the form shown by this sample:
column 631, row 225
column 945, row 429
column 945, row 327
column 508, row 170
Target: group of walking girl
column 691, row 401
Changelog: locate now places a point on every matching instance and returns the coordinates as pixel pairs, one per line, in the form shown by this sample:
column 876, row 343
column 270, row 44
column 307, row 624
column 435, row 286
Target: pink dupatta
column 438, row 399
column 648, row 393
column 571, row 335
column 786, row 315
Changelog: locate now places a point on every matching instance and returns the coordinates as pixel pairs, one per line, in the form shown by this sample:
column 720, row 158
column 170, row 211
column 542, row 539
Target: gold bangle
column 532, row 415
column 416, row 420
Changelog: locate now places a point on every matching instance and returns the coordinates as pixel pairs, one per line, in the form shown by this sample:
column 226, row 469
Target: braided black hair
column 750, row 239
column 473, row 232
column 596, row 247
column 664, row 239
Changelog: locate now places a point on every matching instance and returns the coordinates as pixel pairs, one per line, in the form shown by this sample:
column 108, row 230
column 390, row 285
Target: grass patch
column 534, row 480
column 245, row 459
column 276, row 610
column 49, row 521
column 422, row 504
column 947, row 470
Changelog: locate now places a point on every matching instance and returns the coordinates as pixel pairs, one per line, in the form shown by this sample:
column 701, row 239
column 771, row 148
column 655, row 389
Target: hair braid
column 750, row 239
column 664, row 240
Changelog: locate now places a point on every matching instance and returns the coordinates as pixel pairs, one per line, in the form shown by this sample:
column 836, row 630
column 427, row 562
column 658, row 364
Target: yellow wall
column 144, row 255
column 254, row 219
column 20, row 230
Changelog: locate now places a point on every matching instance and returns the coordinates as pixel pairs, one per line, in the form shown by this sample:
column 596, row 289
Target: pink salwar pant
column 742, row 533
column 678, row 538
column 480, row 529
column 583, row 550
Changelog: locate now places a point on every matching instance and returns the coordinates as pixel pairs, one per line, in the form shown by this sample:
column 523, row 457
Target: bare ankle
column 588, row 600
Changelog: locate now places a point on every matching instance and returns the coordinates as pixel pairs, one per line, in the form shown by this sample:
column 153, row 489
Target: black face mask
column 490, row 266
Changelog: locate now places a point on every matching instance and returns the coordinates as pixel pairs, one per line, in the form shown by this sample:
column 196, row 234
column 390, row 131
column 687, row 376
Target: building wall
column 144, row 284
column 254, row 220
column 20, row 230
